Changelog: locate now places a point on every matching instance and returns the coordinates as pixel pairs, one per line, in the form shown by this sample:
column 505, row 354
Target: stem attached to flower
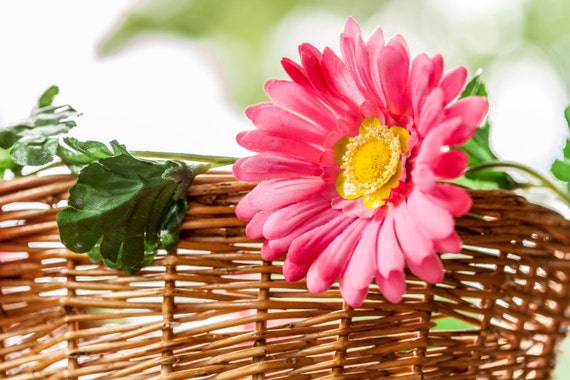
column 544, row 181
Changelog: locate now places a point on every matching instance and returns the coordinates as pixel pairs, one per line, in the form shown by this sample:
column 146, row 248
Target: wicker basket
column 215, row 310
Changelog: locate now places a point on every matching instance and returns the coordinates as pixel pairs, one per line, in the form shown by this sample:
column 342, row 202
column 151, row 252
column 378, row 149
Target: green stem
column 214, row 161
column 533, row 173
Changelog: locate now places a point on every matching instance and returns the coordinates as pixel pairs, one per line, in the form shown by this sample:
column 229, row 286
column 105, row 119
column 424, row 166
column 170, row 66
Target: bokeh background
column 175, row 75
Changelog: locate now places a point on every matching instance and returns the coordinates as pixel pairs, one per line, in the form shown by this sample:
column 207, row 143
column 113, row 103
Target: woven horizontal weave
column 213, row 309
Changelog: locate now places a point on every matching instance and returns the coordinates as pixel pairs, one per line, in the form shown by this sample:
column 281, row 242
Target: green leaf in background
column 561, row 167
column 35, row 140
column 479, row 151
column 122, row 209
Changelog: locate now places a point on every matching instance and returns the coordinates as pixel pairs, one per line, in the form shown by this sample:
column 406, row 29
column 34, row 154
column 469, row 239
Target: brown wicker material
column 215, row 310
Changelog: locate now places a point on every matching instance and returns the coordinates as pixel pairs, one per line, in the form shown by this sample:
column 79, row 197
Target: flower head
column 354, row 157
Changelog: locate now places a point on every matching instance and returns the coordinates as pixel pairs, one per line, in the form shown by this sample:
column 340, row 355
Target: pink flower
column 354, row 157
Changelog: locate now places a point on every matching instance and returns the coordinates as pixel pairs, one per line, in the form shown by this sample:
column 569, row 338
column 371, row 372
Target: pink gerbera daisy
column 355, row 154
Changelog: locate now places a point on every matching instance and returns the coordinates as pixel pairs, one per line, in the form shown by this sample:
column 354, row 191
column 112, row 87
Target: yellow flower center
column 371, row 162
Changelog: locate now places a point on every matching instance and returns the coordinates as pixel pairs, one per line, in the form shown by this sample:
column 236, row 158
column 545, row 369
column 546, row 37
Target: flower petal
column 278, row 121
column 452, row 83
column 283, row 221
column 433, row 219
column 254, row 229
column 269, row 165
column 334, row 258
column 472, row 111
column 393, row 69
column 453, row 198
column 360, row 270
column 260, row 141
column 451, row 164
column 277, row 193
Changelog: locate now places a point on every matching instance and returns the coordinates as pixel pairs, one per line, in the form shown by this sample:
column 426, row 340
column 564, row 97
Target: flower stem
column 544, row 181
column 214, row 161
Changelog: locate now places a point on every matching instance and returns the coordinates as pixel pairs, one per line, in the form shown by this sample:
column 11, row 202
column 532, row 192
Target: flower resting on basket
column 351, row 153
column 359, row 158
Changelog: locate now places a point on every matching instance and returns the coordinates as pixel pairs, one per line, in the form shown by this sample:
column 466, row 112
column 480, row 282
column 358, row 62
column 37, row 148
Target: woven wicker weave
column 215, row 310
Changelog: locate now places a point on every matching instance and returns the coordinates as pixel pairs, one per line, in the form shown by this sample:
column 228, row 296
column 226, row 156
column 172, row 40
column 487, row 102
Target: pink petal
column 449, row 244
column 260, row 141
column 254, row 229
column 432, row 112
column 339, row 79
column 268, row 165
column 301, row 100
column 286, row 219
column 244, row 210
column 472, row 110
column 276, row 193
column 424, row 177
column 453, row 198
column 295, row 72
column 308, row 246
column 393, row 68
column 434, row 220
column 270, row 254
column 414, row 243
column 392, row 285
column 451, row 164
column 452, row 83
column 420, row 73
column 361, row 268
column 280, row 122
column 334, row 258
column 389, row 255
column 430, row 269
column 282, row 244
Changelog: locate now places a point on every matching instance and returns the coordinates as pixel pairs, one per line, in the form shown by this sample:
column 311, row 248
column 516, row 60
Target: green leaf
column 122, row 209
column 77, row 154
column 35, row 140
column 479, row 151
column 561, row 167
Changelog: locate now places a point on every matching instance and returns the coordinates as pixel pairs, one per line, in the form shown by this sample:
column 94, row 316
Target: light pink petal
column 420, row 73
column 334, row 258
column 424, row 177
column 361, row 268
column 268, row 253
column 393, row 69
column 286, row 219
column 414, row 243
column 449, row 244
column 261, row 141
column 390, row 262
column 280, row 122
column 451, row 164
column 452, row 83
column 430, row 269
column 277, row 193
column 306, row 248
column 282, row 244
column 268, row 165
column 472, row 111
column 301, row 100
column 254, row 229
column 431, row 112
column 433, row 219
column 453, row 198
column 339, row 79
column 244, row 210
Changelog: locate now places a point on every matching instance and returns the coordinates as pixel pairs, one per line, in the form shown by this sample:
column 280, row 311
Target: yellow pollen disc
column 371, row 162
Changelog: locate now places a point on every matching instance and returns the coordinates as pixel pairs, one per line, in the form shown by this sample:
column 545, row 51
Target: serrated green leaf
column 34, row 141
column 122, row 208
column 77, row 154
